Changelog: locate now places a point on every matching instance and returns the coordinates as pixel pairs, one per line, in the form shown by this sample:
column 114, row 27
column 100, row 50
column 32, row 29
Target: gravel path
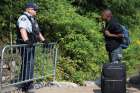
column 66, row 90
column 78, row 90
column 81, row 89
column 73, row 90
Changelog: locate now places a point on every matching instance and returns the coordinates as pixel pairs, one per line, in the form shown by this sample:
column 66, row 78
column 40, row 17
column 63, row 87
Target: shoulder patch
column 23, row 19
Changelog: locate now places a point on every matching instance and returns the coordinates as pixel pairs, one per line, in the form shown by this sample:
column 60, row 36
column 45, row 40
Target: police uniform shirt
column 24, row 22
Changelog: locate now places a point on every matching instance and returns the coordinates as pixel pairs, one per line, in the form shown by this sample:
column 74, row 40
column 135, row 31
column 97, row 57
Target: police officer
column 28, row 33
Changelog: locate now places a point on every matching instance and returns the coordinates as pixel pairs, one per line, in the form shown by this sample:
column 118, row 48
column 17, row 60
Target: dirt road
column 72, row 90
column 78, row 90
column 66, row 90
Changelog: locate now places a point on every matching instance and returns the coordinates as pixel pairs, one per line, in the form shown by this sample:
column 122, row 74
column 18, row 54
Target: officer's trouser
column 27, row 67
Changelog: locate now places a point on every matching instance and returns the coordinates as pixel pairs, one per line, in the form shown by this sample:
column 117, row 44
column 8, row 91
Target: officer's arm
column 107, row 33
column 41, row 37
column 23, row 34
column 23, row 27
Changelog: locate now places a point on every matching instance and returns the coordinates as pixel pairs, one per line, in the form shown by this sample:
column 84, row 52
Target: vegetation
column 75, row 26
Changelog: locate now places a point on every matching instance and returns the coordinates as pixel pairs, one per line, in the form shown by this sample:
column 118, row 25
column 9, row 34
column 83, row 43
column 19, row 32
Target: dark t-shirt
column 115, row 28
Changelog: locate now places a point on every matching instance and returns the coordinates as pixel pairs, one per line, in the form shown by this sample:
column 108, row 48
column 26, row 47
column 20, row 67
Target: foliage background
column 75, row 26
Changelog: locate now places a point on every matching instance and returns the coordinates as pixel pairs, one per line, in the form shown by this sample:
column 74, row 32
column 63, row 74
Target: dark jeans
column 27, row 67
column 115, row 56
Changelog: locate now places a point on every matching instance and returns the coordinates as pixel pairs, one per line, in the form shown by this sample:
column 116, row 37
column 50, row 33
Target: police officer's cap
column 31, row 5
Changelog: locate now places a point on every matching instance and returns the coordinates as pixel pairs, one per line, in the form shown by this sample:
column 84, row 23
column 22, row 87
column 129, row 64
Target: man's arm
column 114, row 27
column 41, row 37
column 107, row 33
column 22, row 25
column 24, row 34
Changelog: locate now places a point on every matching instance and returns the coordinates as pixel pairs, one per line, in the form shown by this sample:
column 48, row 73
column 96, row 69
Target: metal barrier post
column 1, row 69
column 55, row 62
column 1, row 76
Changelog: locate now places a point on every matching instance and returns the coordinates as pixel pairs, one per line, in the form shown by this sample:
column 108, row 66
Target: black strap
column 35, row 29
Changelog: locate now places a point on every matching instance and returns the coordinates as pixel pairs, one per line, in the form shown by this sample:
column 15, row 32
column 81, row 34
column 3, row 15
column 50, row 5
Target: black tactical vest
column 33, row 36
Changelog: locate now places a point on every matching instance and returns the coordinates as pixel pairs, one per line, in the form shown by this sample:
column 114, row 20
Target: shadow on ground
column 134, row 81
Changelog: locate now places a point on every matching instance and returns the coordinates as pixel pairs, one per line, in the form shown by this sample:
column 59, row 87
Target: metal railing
column 22, row 63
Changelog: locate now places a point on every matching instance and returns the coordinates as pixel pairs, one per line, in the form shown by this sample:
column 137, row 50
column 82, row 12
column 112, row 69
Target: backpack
column 126, row 39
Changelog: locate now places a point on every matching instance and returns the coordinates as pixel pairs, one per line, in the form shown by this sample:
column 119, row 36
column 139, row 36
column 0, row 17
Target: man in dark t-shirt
column 113, row 36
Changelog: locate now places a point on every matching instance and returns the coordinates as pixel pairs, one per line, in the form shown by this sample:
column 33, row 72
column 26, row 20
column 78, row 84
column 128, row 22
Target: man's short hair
column 107, row 12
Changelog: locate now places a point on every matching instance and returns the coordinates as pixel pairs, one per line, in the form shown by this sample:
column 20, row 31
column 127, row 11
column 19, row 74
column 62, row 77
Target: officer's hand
column 45, row 43
column 30, row 44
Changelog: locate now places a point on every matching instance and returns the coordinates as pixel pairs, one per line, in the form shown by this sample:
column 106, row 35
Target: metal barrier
column 22, row 63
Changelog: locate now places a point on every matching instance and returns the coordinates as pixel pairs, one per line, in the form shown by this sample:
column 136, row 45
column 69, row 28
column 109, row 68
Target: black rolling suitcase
column 113, row 78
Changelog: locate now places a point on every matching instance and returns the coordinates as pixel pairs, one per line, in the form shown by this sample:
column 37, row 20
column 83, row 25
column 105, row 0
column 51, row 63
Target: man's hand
column 120, row 35
column 30, row 44
column 45, row 43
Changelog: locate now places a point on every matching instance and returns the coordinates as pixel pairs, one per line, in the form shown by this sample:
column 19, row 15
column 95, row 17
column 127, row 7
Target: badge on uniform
column 23, row 19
